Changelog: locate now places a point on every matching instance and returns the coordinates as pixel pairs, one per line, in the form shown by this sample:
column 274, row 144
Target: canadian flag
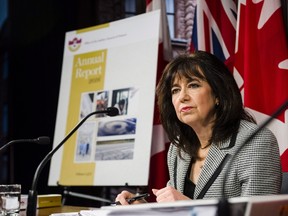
column 258, row 59
column 261, row 65
column 158, row 175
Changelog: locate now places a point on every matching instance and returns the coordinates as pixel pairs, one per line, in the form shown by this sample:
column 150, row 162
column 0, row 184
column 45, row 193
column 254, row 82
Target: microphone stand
column 40, row 140
column 223, row 205
column 32, row 195
column 43, row 140
column 67, row 192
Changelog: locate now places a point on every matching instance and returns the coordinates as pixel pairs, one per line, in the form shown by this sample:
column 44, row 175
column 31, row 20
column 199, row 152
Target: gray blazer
column 255, row 170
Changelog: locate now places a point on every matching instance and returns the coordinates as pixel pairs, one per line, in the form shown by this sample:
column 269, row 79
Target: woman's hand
column 168, row 194
column 124, row 195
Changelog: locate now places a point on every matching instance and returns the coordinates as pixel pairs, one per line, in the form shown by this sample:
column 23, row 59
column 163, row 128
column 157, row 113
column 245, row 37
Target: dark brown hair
column 229, row 112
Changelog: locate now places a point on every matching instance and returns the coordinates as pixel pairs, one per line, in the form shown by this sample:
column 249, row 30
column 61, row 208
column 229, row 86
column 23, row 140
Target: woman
column 202, row 112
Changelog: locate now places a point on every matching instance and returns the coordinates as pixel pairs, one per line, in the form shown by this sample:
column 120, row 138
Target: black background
column 33, row 36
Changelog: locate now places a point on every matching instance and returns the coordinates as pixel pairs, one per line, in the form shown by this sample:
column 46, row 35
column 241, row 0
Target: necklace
column 205, row 146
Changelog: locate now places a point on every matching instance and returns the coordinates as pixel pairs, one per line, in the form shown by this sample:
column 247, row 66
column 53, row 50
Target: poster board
column 103, row 66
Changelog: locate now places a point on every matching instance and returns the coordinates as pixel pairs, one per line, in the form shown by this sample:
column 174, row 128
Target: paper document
column 66, row 214
column 183, row 208
column 183, row 211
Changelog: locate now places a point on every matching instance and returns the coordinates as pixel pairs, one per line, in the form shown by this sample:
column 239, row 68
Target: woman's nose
column 183, row 96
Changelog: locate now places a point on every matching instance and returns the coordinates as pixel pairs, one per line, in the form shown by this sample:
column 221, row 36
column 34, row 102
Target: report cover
column 111, row 65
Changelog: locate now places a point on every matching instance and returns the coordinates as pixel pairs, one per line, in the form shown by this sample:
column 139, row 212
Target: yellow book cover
column 45, row 200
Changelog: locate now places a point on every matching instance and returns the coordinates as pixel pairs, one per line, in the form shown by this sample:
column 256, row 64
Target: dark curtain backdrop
column 35, row 51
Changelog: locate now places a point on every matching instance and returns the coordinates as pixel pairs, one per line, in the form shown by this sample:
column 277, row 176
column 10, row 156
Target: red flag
column 261, row 60
column 158, row 175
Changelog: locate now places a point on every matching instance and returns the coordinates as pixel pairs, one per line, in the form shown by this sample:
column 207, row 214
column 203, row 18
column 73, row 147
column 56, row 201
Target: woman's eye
column 174, row 91
column 194, row 85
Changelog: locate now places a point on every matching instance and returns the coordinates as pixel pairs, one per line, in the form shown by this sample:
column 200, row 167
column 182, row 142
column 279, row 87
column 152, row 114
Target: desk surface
column 51, row 210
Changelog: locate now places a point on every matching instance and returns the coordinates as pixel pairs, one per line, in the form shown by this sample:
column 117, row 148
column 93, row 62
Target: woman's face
column 194, row 101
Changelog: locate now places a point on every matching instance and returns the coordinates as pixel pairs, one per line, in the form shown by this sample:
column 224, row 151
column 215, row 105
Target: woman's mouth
column 185, row 109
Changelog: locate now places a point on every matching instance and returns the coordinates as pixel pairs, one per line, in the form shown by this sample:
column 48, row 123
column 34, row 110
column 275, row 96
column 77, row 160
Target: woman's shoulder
column 258, row 132
column 250, row 128
column 172, row 152
column 175, row 152
column 246, row 125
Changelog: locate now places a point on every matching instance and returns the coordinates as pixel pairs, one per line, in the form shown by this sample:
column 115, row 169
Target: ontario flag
column 250, row 38
column 158, row 175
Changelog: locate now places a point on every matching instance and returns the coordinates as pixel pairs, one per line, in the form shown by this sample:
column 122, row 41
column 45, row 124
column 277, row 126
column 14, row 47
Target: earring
column 217, row 102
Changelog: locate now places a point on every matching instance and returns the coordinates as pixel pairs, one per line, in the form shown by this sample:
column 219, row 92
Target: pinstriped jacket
column 255, row 170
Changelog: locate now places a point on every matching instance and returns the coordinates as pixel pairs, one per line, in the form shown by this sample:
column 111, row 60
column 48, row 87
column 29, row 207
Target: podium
column 240, row 206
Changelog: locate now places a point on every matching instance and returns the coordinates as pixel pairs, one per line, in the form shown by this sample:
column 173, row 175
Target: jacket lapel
column 214, row 159
column 181, row 173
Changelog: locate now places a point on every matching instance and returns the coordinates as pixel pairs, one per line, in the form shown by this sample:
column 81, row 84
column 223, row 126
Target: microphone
column 111, row 111
column 32, row 195
column 43, row 140
column 223, row 204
